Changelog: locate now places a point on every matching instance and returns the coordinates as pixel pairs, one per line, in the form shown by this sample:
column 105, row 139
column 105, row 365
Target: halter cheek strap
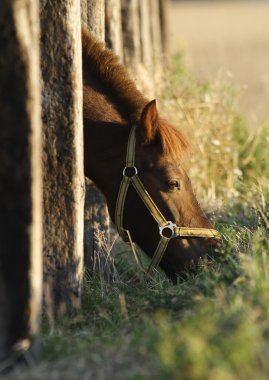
column 167, row 229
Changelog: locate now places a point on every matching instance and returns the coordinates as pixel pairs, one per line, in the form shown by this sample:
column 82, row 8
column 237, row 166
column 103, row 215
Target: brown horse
column 112, row 106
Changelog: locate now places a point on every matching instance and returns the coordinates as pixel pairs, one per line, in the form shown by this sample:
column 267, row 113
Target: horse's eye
column 173, row 185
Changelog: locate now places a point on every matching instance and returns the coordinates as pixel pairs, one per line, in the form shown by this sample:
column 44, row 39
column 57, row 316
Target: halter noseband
column 167, row 229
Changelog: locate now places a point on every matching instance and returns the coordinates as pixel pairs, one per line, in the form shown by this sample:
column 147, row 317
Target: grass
column 215, row 323
column 230, row 153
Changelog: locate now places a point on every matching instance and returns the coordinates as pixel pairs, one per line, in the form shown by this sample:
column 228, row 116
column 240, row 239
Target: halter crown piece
column 167, row 229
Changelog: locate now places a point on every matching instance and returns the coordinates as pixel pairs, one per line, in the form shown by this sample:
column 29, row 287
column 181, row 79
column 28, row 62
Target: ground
column 228, row 38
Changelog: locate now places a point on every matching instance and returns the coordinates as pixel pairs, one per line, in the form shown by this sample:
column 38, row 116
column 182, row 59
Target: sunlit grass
column 214, row 324
column 228, row 154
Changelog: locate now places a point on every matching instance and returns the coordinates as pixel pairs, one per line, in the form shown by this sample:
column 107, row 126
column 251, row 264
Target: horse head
column 135, row 158
column 156, row 203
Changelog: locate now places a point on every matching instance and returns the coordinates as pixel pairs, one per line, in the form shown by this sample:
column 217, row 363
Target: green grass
column 213, row 325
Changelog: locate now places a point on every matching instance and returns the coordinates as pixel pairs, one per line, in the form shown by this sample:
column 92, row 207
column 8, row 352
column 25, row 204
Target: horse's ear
column 148, row 122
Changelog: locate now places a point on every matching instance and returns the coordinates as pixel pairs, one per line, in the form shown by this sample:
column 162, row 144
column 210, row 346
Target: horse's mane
column 105, row 67
column 174, row 143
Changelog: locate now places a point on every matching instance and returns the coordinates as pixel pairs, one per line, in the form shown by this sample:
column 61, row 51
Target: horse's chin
column 184, row 259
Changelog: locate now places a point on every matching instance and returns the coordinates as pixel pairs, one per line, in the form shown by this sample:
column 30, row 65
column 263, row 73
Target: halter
column 167, row 229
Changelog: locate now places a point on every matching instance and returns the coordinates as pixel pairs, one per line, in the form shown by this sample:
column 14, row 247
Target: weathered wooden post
column 96, row 217
column 84, row 11
column 63, row 179
column 97, row 231
column 20, row 181
column 137, row 43
column 156, row 38
column 164, row 4
column 146, row 37
column 113, row 33
column 96, row 18
column 131, row 33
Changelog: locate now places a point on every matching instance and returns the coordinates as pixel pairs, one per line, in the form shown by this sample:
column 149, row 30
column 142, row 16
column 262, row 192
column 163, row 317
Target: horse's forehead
column 155, row 153
column 162, row 163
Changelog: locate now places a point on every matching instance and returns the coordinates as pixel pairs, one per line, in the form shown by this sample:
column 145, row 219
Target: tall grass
column 229, row 154
column 214, row 324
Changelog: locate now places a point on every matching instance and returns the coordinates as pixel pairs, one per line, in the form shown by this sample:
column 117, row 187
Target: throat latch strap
column 167, row 229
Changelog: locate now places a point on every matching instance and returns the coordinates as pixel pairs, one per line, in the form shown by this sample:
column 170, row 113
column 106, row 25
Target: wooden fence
column 47, row 92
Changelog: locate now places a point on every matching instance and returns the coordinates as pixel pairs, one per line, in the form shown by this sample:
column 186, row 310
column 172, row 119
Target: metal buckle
column 124, row 173
column 170, row 228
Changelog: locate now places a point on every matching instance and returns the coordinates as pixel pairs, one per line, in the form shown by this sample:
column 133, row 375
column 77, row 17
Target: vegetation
column 215, row 323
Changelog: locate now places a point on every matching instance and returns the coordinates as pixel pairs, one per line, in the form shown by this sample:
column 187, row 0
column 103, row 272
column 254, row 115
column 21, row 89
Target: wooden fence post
column 146, row 37
column 113, row 34
column 131, row 33
column 156, row 38
column 63, row 179
column 20, row 173
column 164, row 4
column 137, row 43
column 96, row 18
column 84, row 11
column 96, row 217
column 97, row 231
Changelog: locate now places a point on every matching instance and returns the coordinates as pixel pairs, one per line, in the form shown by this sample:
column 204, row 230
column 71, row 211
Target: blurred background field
column 227, row 39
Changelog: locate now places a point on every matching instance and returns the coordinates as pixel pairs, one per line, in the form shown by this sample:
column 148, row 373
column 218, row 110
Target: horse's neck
column 105, row 140
column 108, row 116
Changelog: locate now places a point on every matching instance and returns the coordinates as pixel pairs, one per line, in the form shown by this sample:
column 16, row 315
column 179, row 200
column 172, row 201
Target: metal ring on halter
column 129, row 167
column 170, row 226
